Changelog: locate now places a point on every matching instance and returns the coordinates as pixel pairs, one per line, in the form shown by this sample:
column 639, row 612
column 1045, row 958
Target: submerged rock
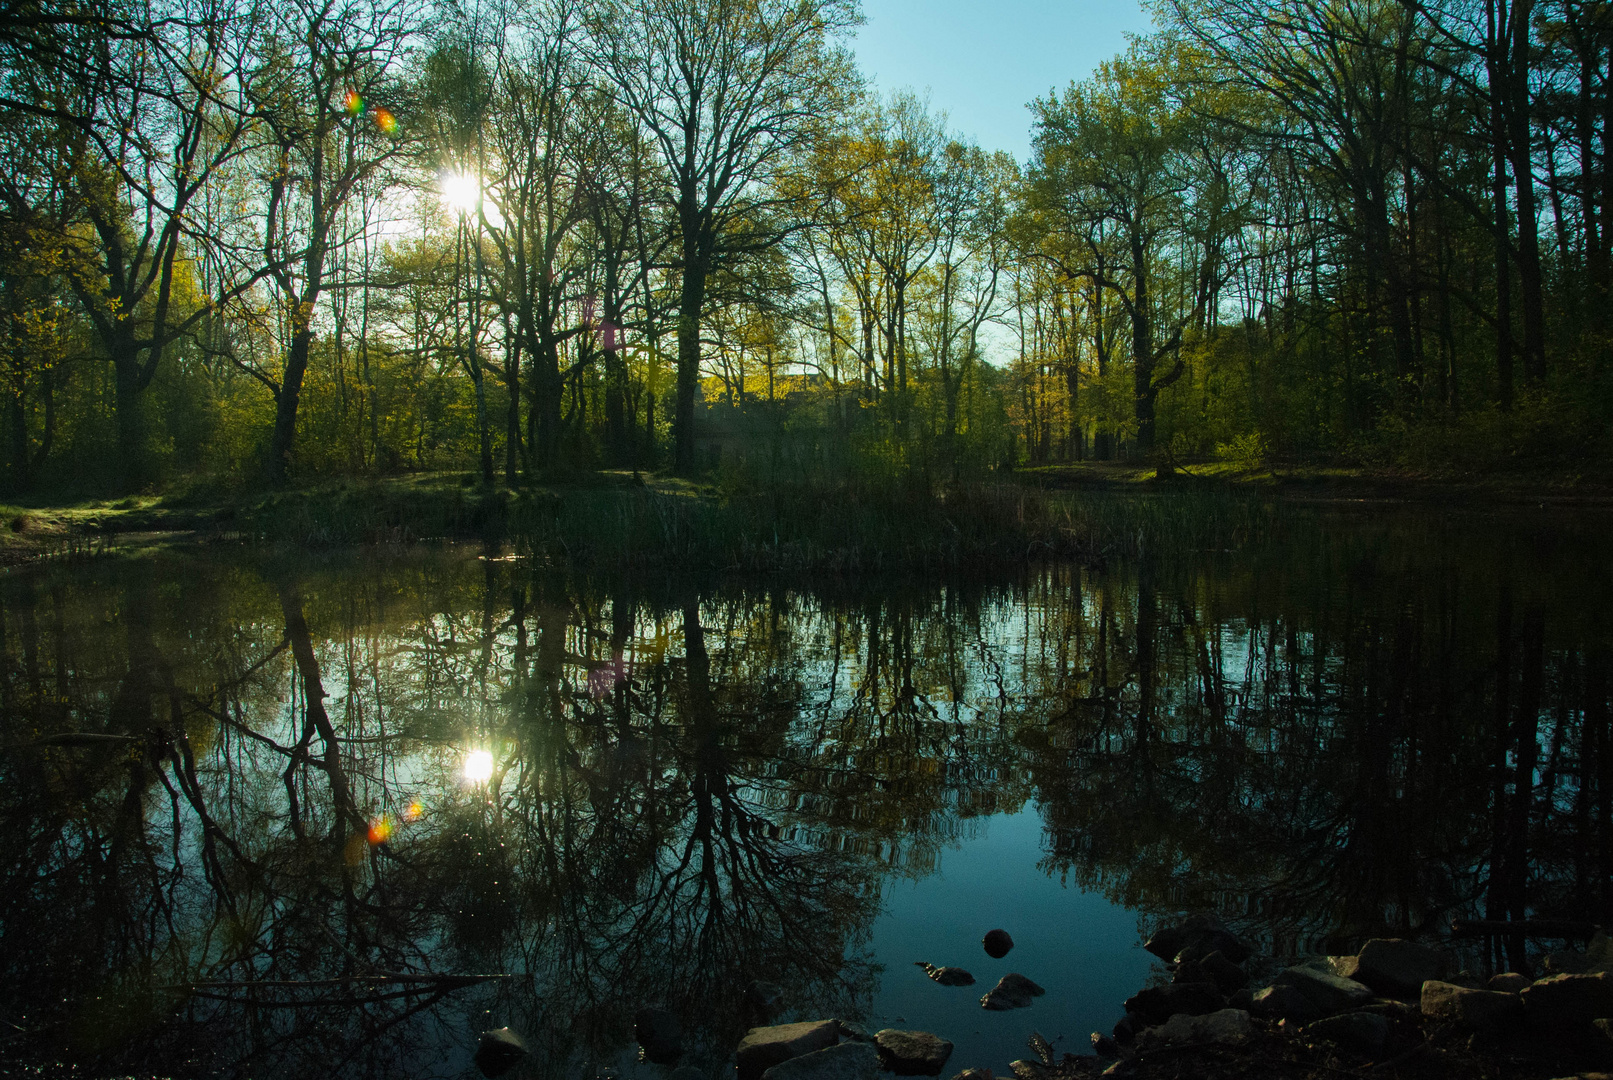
column 1363, row 1031
column 847, row 1061
column 1222, row 1026
column 947, row 976
column 1475, row 1009
column 764, row 1047
column 1158, row 1004
column 1013, row 991
column 997, row 943
column 912, row 1053
column 498, row 1051
column 659, row 1035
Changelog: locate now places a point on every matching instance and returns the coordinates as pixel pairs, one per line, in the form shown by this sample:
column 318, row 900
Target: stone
column 1285, row 1003
column 975, row 1074
column 997, row 943
column 764, row 1047
column 1158, row 1004
column 1013, row 991
column 1559, row 1001
column 1194, row 938
column 1125, row 1030
column 1104, row 1045
column 659, row 1035
column 1191, row 971
column 1475, row 1009
column 1566, row 962
column 850, row 1029
column 1241, row 999
column 1222, row 1026
column 1509, row 982
column 847, row 1061
column 1395, row 967
column 1228, row 977
column 947, row 976
column 1362, row 1031
column 912, row 1053
column 498, row 1051
column 1329, row 993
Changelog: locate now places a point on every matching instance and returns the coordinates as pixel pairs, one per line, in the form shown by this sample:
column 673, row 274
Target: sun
column 478, row 766
column 462, row 191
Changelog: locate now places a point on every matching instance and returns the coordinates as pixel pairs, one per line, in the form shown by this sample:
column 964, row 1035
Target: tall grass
column 839, row 528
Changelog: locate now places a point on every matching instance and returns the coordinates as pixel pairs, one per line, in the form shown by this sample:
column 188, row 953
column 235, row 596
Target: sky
column 982, row 61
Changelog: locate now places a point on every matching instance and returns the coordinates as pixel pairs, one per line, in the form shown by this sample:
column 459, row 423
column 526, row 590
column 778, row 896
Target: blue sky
column 982, row 61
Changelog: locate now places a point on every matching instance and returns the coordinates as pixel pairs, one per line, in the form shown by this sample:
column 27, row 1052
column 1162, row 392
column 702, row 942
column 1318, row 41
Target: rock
column 1395, row 967
column 1229, row 977
column 1158, row 1004
column 1196, row 937
column 764, row 1047
column 1329, row 993
column 1125, row 1029
column 1362, row 1031
column 1222, row 1026
column 1241, row 999
column 1013, row 991
column 1509, row 982
column 1105, row 1046
column 947, row 976
column 912, row 1053
column 850, row 1029
column 686, row 1072
column 1566, row 962
column 659, row 1035
column 1285, row 1003
column 1191, row 971
column 1476, row 1009
column 1559, row 1001
column 847, row 1061
column 499, row 1051
column 997, row 943
column 975, row 1074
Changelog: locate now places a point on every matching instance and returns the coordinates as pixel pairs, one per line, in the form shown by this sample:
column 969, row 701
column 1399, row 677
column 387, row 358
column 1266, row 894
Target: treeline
column 270, row 239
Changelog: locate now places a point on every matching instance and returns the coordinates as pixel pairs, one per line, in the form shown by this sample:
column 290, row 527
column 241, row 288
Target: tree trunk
column 286, row 401
column 691, row 300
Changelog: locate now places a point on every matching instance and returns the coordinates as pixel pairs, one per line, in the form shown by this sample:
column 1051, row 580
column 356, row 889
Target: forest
column 272, row 241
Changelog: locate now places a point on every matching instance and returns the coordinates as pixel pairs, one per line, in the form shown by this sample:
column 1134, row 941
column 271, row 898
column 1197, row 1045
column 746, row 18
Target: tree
column 727, row 91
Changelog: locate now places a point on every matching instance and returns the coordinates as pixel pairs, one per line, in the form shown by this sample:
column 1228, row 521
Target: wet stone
column 1475, row 1009
column 947, row 976
column 764, row 1047
column 847, row 1061
column 659, row 1035
column 997, row 943
column 1223, row 1026
column 1013, row 991
column 1361, row 1031
column 499, row 1051
column 850, row 1029
column 912, row 1053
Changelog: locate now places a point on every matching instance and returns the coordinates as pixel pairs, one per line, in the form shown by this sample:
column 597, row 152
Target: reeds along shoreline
column 838, row 528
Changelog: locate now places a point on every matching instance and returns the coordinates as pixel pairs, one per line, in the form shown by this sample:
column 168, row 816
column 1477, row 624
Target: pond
column 262, row 811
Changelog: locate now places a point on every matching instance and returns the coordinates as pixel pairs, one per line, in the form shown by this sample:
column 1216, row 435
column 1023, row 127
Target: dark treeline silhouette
column 242, row 824
column 274, row 239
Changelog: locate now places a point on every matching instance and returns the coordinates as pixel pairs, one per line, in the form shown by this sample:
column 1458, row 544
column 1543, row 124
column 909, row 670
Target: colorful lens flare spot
column 353, row 103
column 381, row 830
column 414, row 812
column 386, row 121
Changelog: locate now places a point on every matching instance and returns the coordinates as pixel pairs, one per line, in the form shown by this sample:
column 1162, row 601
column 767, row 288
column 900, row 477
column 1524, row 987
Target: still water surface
column 617, row 793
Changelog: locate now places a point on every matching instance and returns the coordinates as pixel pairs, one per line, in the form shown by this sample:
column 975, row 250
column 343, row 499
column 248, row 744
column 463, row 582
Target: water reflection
column 336, row 796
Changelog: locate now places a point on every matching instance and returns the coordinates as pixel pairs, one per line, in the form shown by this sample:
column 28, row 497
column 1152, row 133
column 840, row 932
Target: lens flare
column 353, row 103
column 386, row 122
column 381, row 830
column 478, row 766
column 414, row 812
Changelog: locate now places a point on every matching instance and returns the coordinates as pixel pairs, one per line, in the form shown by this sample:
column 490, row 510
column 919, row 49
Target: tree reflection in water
column 1366, row 731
